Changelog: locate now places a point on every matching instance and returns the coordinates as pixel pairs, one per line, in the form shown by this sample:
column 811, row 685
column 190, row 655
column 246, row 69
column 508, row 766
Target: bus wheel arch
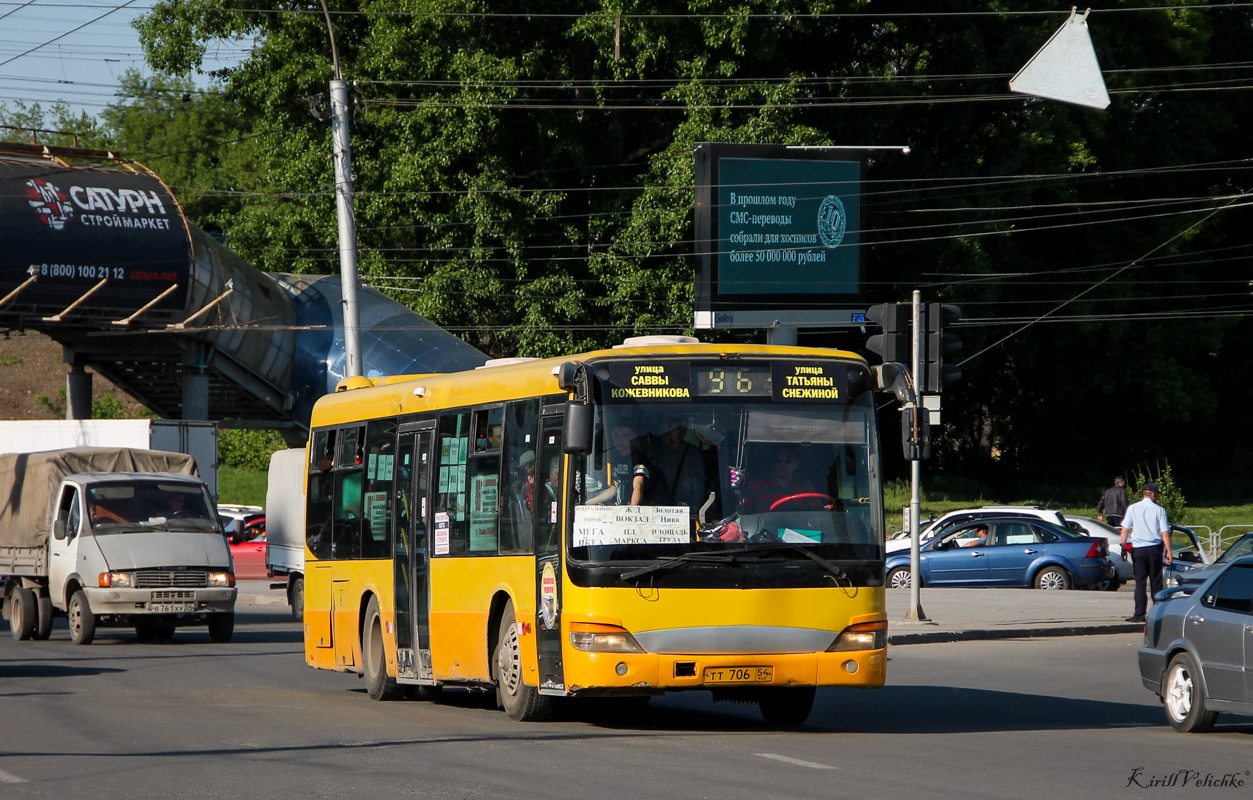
column 522, row 703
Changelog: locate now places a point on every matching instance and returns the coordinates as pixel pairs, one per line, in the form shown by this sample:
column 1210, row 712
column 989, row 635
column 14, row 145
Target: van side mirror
column 58, row 528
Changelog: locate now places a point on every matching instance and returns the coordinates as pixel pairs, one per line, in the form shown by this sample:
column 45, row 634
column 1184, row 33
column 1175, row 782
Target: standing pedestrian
column 1146, row 525
column 1113, row 504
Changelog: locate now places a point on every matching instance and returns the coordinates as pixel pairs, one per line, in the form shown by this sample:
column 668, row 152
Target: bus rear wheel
column 378, row 683
column 521, row 702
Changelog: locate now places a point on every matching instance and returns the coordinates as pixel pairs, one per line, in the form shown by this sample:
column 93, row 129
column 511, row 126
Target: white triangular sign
column 1065, row 69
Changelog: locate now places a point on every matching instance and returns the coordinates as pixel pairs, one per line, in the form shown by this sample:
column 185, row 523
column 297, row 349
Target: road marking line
column 9, row 777
column 796, row 761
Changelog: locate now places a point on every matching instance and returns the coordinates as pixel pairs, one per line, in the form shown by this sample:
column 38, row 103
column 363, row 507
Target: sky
column 76, row 51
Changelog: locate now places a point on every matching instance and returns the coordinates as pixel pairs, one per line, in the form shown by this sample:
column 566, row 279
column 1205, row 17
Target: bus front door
column 548, row 537
column 411, row 565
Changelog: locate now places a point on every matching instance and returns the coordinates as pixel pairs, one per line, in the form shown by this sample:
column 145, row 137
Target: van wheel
column 145, row 630
column 521, row 702
column 23, row 614
column 378, row 683
column 221, row 627
column 82, row 621
column 296, row 599
column 43, row 629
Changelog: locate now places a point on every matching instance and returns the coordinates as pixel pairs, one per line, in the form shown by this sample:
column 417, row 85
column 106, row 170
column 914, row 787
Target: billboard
column 777, row 235
column 75, row 227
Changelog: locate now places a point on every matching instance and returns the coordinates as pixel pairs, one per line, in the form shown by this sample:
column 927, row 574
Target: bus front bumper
column 644, row 673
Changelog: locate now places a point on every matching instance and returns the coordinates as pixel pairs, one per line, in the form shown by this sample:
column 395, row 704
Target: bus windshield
column 723, row 483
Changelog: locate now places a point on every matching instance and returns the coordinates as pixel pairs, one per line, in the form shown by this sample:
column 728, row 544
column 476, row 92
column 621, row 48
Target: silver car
column 1196, row 656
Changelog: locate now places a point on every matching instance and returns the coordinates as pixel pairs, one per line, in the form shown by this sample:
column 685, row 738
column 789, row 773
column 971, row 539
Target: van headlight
column 221, row 580
column 116, row 580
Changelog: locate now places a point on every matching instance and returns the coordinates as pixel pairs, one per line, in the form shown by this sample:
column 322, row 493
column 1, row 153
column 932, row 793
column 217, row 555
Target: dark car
column 1196, row 655
column 1199, row 573
column 1007, row 551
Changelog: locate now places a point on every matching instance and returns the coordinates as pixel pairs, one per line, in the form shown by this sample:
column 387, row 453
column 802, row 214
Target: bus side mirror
column 577, row 435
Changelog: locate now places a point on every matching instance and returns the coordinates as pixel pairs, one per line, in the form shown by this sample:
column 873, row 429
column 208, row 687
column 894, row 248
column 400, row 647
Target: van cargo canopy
column 29, row 481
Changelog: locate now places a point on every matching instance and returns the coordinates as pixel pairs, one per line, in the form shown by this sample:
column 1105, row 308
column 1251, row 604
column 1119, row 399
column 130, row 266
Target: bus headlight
column 221, row 579
column 592, row 638
column 863, row 636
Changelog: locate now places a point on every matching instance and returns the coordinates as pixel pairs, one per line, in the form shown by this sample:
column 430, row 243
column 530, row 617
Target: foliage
column 103, row 406
column 247, row 448
column 1169, row 496
column 525, row 180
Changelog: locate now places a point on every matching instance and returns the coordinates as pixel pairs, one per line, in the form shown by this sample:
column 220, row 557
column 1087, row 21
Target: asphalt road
column 188, row 719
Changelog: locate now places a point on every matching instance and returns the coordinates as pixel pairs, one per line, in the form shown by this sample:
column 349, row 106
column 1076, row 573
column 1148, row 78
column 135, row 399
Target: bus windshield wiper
column 685, row 560
column 835, row 570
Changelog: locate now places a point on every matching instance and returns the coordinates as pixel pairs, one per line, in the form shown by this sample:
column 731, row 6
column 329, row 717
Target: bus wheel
column 82, row 621
column 378, row 683
column 787, row 706
column 23, row 614
column 521, row 702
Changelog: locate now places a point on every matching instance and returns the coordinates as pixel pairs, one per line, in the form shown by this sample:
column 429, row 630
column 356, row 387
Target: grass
column 246, row 487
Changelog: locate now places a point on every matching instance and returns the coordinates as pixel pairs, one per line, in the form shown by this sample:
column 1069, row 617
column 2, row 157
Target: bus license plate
column 739, row 674
column 171, row 608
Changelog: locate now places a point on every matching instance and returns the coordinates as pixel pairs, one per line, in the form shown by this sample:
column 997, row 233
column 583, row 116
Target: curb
column 981, row 634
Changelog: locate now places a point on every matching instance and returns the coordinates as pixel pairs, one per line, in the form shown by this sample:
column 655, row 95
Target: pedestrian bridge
column 96, row 253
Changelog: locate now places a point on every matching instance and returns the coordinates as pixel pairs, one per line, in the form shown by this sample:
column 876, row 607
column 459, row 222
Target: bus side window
column 380, row 470
column 484, row 502
column 550, row 490
column 520, row 478
column 318, row 514
column 450, row 497
column 346, row 531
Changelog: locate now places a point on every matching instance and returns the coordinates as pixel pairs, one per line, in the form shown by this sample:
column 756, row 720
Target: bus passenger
column 762, row 494
column 621, row 464
column 672, row 470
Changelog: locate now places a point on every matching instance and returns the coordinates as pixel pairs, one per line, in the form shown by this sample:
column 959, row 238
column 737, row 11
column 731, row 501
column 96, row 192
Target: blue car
column 1196, row 655
column 1007, row 551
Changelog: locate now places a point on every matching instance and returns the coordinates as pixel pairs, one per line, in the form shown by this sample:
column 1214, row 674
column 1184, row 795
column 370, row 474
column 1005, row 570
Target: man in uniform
column 1148, row 530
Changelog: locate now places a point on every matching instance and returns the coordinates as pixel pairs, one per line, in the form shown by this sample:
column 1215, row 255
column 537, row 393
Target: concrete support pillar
column 77, row 392
column 196, row 380
column 195, row 396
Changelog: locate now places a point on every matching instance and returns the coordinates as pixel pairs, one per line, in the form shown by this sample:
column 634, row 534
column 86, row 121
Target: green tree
column 248, row 449
column 525, row 179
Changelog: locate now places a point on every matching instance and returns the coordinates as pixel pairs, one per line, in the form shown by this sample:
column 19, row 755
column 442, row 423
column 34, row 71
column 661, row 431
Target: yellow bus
column 664, row 515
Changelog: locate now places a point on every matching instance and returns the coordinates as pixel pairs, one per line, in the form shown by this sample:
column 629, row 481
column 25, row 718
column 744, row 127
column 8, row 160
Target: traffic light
column 893, row 344
column 916, row 433
column 937, row 345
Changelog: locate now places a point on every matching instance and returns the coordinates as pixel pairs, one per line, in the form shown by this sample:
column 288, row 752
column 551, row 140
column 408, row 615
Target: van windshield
column 124, row 506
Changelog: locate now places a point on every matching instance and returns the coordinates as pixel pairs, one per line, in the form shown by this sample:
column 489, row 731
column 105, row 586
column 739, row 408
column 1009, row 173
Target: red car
column 248, row 551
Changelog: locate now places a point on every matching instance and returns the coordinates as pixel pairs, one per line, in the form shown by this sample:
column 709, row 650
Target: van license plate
column 739, row 674
column 171, row 608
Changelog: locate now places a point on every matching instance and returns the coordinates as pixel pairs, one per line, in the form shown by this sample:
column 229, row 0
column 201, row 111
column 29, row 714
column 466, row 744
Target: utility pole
column 344, row 208
column 915, row 611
